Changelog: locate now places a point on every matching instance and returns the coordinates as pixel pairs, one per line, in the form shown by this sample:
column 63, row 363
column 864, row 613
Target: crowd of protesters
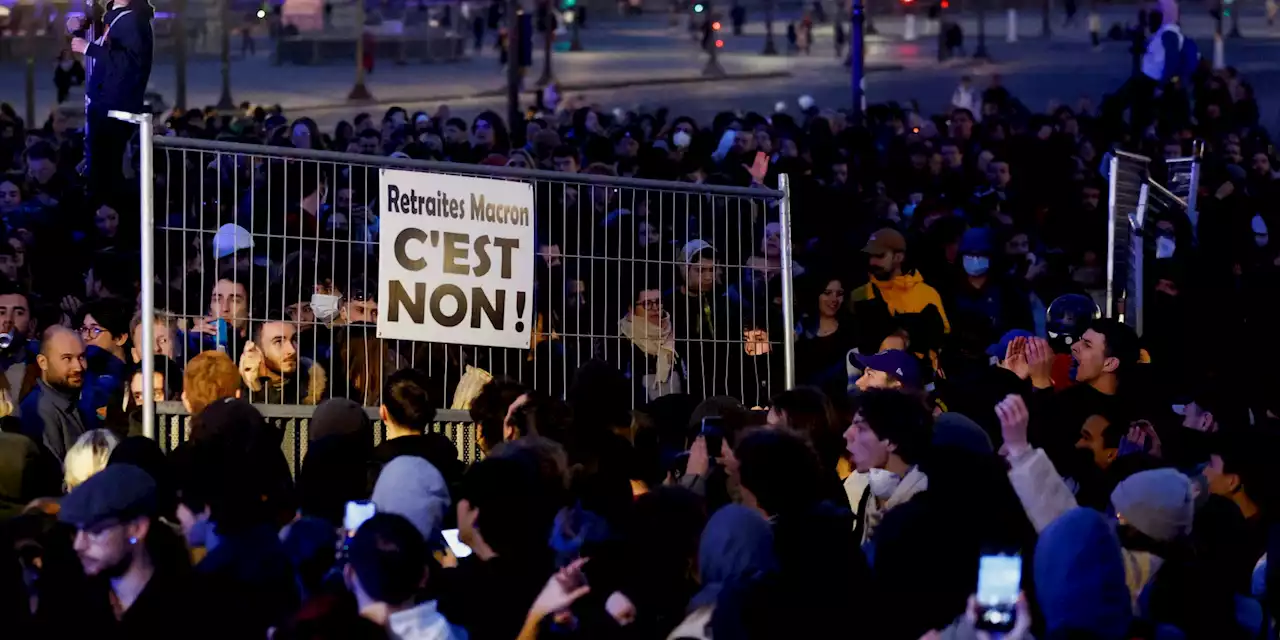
column 645, row 474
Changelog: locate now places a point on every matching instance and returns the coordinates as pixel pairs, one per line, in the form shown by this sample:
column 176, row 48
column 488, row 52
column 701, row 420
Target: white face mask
column 883, row 483
column 681, row 139
column 1165, row 247
column 65, row 64
column 976, row 265
column 324, row 306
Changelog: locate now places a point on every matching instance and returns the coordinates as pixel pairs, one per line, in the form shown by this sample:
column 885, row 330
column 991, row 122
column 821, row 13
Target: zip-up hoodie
column 122, row 62
column 904, row 301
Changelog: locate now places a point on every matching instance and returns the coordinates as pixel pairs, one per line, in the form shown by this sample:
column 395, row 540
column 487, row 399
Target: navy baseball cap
column 1001, row 347
column 901, row 365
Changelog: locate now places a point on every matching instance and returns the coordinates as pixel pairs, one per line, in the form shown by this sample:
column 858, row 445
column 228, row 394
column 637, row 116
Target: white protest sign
column 455, row 259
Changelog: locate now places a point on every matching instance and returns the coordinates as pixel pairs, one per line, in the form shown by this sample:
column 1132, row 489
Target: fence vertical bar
column 1111, row 235
column 788, row 291
column 1193, row 212
column 146, row 210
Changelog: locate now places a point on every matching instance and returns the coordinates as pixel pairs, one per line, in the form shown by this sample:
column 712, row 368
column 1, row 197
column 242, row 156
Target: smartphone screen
column 357, row 512
column 999, row 582
column 713, row 435
column 455, row 543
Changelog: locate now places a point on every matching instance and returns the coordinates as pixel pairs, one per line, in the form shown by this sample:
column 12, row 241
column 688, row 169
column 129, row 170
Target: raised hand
column 1014, row 418
column 563, row 588
column 1040, row 362
column 1015, row 357
column 251, row 365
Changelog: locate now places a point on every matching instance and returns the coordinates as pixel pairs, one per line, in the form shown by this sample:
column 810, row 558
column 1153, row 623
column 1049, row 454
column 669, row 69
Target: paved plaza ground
column 643, row 61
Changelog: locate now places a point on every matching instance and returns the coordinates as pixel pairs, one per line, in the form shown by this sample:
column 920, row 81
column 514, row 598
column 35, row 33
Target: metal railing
column 1135, row 197
column 275, row 251
column 173, row 424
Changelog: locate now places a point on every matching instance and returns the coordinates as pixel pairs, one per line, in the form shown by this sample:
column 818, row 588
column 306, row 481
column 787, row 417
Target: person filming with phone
column 119, row 53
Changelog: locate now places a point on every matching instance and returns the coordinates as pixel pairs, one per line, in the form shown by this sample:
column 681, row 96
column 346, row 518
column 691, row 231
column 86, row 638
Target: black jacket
column 248, row 578
column 122, row 63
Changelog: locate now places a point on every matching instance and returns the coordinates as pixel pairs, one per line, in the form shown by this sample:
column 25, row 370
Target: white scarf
column 655, row 339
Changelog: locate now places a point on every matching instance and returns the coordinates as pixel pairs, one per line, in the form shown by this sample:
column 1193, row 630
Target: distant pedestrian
column 477, row 32
column 806, row 34
column 793, row 38
column 247, row 46
column 1072, row 9
column 69, row 73
column 840, row 39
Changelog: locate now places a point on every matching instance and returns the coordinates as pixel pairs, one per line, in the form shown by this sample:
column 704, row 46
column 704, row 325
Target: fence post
column 1113, row 174
column 1193, row 193
column 788, row 291
column 147, row 349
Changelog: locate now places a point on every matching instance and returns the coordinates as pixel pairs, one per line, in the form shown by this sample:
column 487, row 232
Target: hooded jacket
column 906, row 302
column 121, row 58
column 1080, row 577
column 1045, row 497
column 735, row 553
column 409, row 486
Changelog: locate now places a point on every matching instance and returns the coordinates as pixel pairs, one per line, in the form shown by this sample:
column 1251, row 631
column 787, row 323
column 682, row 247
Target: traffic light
column 699, row 8
column 568, row 4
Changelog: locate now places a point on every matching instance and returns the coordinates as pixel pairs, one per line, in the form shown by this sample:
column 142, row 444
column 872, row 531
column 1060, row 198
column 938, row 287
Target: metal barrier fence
column 1136, row 198
column 272, row 256
column 173, row 424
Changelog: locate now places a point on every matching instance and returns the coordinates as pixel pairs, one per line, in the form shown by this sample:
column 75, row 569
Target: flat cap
column 118, row 493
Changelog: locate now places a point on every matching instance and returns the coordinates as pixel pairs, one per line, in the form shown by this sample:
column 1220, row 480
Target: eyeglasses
column 91, row 332
column 652, row 304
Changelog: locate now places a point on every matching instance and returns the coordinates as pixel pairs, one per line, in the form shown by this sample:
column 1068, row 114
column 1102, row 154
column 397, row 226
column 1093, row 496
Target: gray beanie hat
column 1157, row 503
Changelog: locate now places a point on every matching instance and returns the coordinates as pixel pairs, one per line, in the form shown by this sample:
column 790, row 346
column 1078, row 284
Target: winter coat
column 904, row 302
column 122, row 62
column 914, row 482
column 1045, row 497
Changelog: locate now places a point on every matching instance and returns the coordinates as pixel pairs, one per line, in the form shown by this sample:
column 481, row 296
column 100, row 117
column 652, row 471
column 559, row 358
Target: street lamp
column 29, row 35
column 575, row 27
column 225, row 103
column 360, row 92
column 514, row 48
column 179, row 27
column 712, row 42
column 980, row 52
column 857, row 58
column 770, row 48
column 548, row 39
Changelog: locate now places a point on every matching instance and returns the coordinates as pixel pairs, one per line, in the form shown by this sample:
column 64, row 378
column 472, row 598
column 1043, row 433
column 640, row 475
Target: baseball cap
column 118, row 493
column 1001, row 346
column 884, row 241
column 901, row 365
column 693, row 248
column 229, row 239
column 976, row 241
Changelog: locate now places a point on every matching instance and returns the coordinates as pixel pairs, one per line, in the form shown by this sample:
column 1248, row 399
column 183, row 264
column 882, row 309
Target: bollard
column 909, row 28
column 1011, row 34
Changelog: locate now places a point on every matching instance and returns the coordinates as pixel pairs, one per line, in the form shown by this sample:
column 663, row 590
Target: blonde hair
column 88, row 456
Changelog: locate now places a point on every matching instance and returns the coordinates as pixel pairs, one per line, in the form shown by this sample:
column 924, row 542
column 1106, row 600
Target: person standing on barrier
column 120, row 67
